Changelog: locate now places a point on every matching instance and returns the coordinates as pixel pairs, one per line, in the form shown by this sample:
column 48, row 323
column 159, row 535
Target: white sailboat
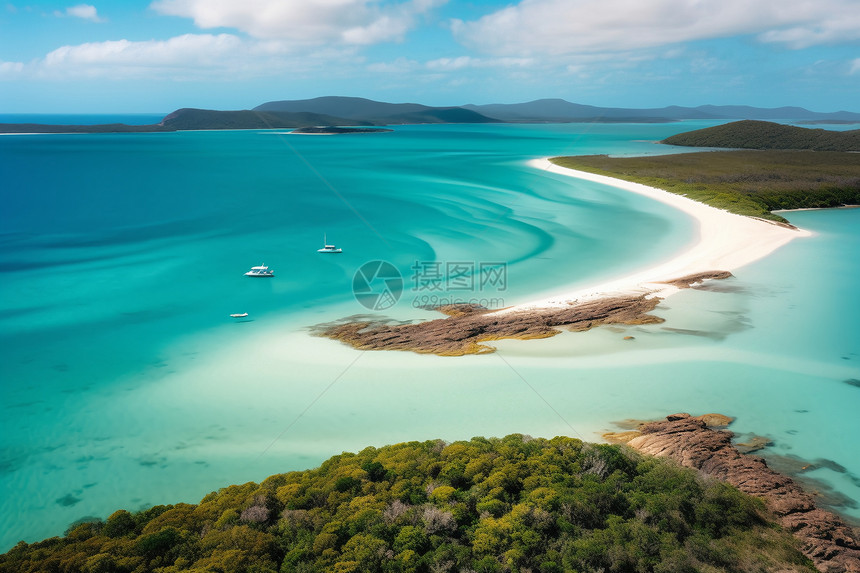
column 329, row 248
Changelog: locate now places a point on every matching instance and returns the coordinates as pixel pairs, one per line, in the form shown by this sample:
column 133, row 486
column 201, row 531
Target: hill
column 351, row 107
column 189, row 118
column 559, row 110
column 376, row 112
column 486, row 505
column 750, row 134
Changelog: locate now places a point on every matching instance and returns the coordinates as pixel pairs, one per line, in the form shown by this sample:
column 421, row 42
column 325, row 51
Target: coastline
column 726, row 242
column 703, row 444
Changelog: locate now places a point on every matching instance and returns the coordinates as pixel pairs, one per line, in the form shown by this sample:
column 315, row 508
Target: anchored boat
column 261, row 271
column 329, row 248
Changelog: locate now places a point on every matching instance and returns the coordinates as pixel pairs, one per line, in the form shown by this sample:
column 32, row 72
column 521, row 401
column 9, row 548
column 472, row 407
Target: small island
column 332, row 130
column 752, row 134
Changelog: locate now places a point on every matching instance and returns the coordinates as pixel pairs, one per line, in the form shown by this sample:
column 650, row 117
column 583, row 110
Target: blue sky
column 154, row 56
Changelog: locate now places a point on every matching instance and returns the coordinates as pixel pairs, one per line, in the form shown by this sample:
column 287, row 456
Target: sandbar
column 725, row 242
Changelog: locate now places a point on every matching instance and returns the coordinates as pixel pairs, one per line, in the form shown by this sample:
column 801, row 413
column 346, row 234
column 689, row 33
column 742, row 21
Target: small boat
column 261, row 271
column 239, row 315
column 329, row 248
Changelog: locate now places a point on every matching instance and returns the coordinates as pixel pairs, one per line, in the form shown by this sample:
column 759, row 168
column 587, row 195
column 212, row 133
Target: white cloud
column 830, row 30
column 558, row 27
column 353, row 22
column 398, row 66
column 83, row 11
column 220, row 57
column 462, row 62
column 10, row 69
column 191, row 52
column 452, row 64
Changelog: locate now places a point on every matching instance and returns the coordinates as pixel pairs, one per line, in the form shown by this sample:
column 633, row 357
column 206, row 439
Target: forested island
column 752, row 183
column 750, row 134
column 484, row 505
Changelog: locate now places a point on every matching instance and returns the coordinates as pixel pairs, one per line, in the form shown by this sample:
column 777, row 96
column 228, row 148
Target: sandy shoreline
column 726, row 242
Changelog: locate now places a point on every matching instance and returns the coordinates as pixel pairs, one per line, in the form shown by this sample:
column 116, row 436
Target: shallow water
column 126, row 384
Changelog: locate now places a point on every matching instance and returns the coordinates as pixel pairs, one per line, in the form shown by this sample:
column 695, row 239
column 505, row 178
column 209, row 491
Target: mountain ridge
column 559, row 109
column 354, row 111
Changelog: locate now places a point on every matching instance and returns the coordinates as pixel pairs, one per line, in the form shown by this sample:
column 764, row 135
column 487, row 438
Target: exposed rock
column 629, row 338
column 826, row 539
column 630, row 423
column 687, row 281
column 631, row 426
column 716, row 420
column 620, row 437
column 752, row 444
column 467, row 326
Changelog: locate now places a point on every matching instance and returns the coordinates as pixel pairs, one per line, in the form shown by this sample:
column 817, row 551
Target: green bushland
column 752, row 183
column 485, row 505
column 751, row 134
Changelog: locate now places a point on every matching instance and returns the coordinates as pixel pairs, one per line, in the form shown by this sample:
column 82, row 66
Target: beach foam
column 725, row 242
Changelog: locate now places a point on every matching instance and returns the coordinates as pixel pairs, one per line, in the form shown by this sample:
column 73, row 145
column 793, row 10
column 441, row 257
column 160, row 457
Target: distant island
column 358, row 112
column 750, row 134
column 330, row 130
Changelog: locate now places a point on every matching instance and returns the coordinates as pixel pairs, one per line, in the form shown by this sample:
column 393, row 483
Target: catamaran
column 329, row 248
column 261, row 271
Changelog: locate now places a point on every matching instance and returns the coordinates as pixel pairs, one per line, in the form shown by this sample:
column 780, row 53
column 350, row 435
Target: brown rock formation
column 831, row 544
column 687, row 281
column 631, row 428
column 468, row 326
column 754, row 443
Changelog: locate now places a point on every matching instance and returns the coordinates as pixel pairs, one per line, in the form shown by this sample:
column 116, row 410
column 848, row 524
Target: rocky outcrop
column 467, row 326
column 826, row 539
column 689, row 280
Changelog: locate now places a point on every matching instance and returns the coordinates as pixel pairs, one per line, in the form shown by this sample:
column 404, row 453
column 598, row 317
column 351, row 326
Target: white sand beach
column 726, row 242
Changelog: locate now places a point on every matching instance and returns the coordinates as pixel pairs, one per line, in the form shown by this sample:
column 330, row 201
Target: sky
column 154, row 56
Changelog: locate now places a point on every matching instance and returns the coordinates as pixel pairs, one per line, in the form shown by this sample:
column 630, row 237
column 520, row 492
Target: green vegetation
column 190, row 119
column 752, row 183
column 749, row 134
column 510, row 504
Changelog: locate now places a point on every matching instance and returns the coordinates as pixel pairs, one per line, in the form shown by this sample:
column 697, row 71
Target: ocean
column 125, row 382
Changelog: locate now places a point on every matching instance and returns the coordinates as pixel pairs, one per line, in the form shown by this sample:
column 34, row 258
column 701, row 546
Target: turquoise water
column 82, row 119
column 125, row 383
